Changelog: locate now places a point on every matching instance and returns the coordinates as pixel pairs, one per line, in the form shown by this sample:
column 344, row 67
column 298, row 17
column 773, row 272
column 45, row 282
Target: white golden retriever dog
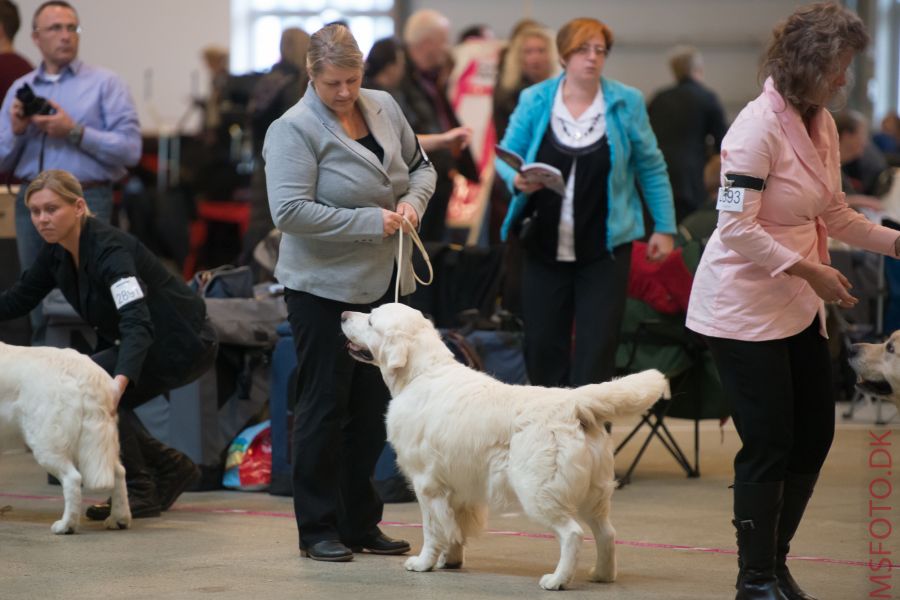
column 877, row 367
column 467, row 441
column 62, row 404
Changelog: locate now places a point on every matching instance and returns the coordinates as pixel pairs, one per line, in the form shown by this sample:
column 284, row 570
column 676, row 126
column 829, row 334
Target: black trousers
column 151, row 384
column 587, row 295
column 339, row 429
column 782, row 402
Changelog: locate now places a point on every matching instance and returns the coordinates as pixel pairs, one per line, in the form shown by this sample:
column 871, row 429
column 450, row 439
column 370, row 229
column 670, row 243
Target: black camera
column 33, row 104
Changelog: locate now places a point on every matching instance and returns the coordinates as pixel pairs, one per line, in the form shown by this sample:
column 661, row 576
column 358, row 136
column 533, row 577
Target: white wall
column 154, row 45
column 731, row 34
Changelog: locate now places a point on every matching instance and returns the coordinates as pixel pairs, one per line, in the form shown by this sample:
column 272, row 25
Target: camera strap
column 12, row 170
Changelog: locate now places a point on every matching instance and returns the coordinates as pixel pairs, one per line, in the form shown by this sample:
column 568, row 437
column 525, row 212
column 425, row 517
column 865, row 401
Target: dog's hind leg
column 570, row 534
column 119, row 512
column 604, row 569
column 63, row 469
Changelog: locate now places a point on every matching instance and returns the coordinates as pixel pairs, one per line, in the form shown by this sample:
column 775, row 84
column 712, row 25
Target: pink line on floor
column 525, row 534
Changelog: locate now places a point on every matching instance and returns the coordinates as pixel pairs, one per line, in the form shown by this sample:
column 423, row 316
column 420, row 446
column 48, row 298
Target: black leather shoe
column 140, row 509
column 329, row 551
column 378, row 543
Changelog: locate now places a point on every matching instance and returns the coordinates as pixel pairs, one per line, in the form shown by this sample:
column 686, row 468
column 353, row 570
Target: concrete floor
column 675, row 540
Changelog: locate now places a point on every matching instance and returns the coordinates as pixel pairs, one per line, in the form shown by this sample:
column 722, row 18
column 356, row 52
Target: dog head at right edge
column 877, row 367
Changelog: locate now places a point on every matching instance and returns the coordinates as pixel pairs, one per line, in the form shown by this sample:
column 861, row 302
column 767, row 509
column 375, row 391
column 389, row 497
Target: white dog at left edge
column 62, row 405
column 467, row 442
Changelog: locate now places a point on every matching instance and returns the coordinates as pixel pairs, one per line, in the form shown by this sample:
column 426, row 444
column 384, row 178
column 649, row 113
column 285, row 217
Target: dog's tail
column 632, row 394
column 98, row 446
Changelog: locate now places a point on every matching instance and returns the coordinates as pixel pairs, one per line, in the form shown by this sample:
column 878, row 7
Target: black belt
column 85, row 185
column 89, row 185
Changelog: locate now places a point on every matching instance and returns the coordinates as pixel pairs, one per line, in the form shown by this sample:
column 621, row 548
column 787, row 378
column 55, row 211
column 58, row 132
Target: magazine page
column 546, row 174
column 510, row 158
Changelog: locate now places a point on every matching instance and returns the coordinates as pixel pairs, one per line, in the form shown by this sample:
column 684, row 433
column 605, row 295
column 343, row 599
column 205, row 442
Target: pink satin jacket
column 740, row 290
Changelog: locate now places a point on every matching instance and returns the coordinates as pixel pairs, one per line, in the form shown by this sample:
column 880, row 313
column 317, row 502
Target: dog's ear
column 394, row 351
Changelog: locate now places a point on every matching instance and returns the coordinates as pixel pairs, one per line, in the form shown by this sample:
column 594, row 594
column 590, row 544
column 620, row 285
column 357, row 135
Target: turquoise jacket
column 633, row 154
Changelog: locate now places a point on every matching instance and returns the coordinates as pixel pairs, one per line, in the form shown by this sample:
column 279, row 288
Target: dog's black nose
column 853, row 351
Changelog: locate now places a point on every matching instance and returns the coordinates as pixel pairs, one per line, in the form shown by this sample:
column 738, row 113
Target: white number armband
column 730, row 199
column 125, row 291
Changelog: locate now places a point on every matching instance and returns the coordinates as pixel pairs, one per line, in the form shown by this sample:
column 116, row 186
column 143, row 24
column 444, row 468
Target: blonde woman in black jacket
column 152, row 330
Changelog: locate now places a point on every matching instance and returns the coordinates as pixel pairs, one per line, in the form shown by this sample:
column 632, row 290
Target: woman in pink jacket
column 760, row 291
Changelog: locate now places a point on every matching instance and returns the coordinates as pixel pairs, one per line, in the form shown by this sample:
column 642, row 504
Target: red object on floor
column 226, row 211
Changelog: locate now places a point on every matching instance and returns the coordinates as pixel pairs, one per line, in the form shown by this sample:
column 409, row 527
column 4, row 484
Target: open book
column 537, row 172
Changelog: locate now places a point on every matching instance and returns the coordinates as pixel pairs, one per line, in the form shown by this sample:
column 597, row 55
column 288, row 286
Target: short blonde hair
column 578, row 31
column 62, row 183
column 333, row 45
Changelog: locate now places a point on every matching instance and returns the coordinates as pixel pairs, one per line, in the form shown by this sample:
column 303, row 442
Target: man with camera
column 65, row 115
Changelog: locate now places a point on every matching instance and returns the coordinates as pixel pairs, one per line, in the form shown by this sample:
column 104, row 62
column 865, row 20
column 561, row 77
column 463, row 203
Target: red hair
column 577, row 32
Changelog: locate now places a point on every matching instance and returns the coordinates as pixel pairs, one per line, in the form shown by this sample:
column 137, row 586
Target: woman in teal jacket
column 578, row 243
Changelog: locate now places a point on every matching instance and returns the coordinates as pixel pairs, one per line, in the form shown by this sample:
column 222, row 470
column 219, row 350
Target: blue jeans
column 28, row 242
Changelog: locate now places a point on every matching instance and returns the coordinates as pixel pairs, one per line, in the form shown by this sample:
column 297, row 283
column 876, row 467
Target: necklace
column 577, row 135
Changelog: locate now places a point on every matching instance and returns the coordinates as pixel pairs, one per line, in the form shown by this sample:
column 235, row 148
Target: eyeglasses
column 587, row 49
column 58, row 28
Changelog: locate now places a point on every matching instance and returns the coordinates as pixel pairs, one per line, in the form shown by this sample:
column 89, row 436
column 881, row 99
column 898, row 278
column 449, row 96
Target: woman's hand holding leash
column 392, row 222
column 406, row 211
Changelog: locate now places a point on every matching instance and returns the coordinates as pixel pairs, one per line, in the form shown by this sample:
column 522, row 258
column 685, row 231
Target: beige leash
column 418, row 243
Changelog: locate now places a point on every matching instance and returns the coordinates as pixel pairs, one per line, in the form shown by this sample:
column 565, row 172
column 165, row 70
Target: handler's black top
column 156, row 326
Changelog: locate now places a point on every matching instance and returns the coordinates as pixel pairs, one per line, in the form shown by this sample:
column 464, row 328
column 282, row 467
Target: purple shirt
column 95, row 98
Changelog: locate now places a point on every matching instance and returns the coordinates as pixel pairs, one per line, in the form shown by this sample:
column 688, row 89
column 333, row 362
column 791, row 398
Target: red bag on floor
column 249, row 463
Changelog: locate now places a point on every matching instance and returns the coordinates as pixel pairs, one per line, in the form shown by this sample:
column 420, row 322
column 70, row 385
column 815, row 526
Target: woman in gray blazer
column 343, row 168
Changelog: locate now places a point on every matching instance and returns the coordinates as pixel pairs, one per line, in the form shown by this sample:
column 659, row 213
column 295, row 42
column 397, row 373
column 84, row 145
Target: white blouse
column 587, row 129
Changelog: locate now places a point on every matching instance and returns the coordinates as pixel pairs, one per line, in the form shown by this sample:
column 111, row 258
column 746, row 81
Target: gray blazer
column 326, row 192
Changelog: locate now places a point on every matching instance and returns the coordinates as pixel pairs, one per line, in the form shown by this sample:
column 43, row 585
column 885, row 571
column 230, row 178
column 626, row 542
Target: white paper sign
column 126, row 290
column 730, row 199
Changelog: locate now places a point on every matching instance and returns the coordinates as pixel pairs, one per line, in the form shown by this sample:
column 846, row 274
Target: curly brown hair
column 803, row 57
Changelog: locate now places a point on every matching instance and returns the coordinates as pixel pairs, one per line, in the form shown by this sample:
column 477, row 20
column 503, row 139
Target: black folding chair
column 654, row 340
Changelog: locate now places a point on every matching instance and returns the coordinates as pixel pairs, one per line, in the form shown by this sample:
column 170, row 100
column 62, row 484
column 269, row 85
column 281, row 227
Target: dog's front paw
column 552, row 582
column 63, row 527
column 418, row 563
column 118, row 521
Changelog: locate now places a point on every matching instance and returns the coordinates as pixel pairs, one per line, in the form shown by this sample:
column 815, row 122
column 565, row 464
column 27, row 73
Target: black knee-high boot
column 174, row 470
column 798, row 490
column 139, row 479
column 756, row 510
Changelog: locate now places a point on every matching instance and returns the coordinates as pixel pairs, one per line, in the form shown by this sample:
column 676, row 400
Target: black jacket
column 422, row 115
column 157, row 333
column 683, row 117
